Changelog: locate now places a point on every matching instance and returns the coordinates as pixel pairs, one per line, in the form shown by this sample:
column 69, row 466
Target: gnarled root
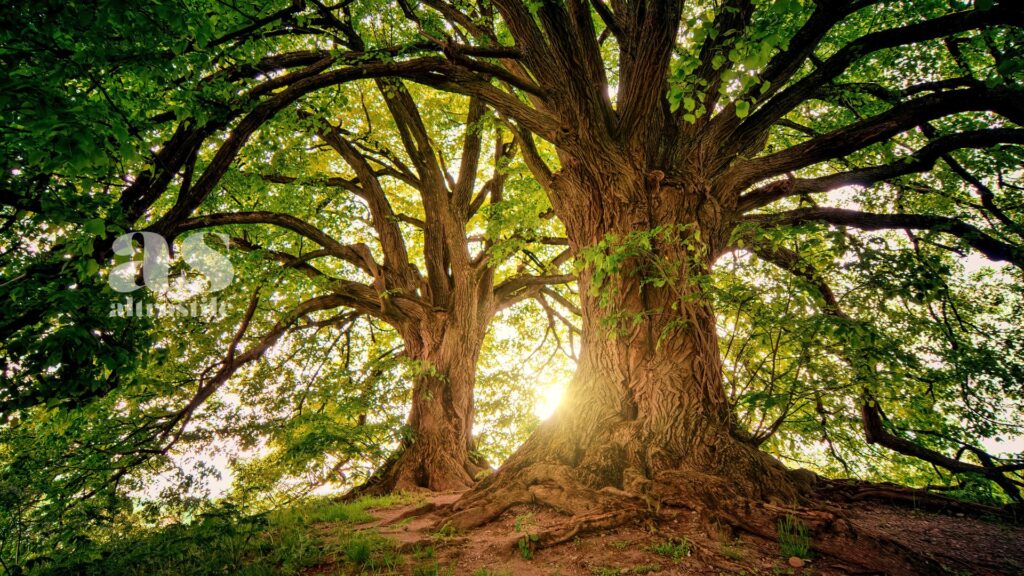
column 844, row 490
column 719, row 502
column 551, row 485
column 411, row 469
column 583, row 524
column 832, row 534
column 556, row 487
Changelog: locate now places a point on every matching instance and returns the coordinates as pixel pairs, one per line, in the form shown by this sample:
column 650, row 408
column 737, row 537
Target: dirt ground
column 678, row 544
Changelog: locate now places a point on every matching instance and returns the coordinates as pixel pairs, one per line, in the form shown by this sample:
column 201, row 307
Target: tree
column 442, row 313
column 656, row 186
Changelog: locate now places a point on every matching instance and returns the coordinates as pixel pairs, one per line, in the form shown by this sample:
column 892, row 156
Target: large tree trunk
column 438, row 453
column 645, row 416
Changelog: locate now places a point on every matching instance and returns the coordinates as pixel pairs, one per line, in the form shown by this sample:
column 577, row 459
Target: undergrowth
column 227, row 541
column 674, row 548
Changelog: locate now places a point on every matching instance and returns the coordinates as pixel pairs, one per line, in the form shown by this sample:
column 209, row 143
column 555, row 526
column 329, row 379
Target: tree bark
column 438, row 453
column 645, row 417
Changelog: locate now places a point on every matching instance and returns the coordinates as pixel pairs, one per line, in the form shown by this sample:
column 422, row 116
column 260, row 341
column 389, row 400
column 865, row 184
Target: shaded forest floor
column 676, row 544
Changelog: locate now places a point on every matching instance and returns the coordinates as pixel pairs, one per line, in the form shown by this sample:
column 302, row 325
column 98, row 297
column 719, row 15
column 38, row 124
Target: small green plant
column 528, row 541
column 386, row 561
column 489, row 572
column 674, row 548
column 605, row 571
column 526, row 544
column 794, row 538
column 618, row 544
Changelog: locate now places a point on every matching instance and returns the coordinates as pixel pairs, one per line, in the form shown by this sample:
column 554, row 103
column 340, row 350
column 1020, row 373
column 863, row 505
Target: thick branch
column 992, row 248
column 786, row 63
column 357, row 254
column 921, row 161
column 864, row 133
column 383, row 219
column 471, row 147
column 526, row 286
column 391, row 308
column 308, row 80
column 787, row 100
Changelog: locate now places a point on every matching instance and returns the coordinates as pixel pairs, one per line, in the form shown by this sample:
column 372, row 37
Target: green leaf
column 96, row 227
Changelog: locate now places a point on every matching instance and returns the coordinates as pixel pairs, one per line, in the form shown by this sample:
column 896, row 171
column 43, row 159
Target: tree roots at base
column 720, row 509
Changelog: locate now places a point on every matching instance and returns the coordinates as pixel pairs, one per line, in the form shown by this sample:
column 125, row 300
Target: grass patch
column 328, row 510
column 226, row 541
column 358, row 551
column 794, row 538
column 674, row 548
column 423, row 552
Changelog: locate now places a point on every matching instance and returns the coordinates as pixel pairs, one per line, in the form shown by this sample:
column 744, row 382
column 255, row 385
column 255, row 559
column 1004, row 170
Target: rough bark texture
column 438, row 454
column 645, row 420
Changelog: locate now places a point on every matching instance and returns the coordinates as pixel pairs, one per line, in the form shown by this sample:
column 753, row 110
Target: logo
column 210, row 270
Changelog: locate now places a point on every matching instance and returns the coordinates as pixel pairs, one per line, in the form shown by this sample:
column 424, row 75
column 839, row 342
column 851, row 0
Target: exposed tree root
column 580, row 525
column 843, row 490
column 408, row 470
column 720, row 505
column 416, row 512
column 834, row 535
column 550, row 485
column 588, row 509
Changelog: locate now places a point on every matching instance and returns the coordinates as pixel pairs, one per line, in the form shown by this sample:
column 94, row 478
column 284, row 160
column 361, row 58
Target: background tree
column 173, row 138
column 442, row 313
